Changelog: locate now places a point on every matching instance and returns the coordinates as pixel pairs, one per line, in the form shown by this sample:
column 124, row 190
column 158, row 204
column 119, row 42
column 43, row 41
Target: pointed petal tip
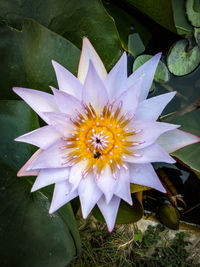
column 51, row 211
column 85, row 39
column 163, row 190
column 17, row 139
column 88, row 52
column 17, row 89
column 159, row 54
column 110, row 230
column 34, row 188
column 55, row 64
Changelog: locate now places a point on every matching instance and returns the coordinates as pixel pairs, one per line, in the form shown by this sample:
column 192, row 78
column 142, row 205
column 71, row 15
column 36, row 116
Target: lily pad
column 29, row 235
column 189, row 155
column 180, row 19
column 159, row 11
column 183, row 59
column 26, row 57
column 135, row 44
column 71, row 20
column 193, row 12
column 127, row 25
column 161, row 75
column 126, row 213
column 197, row 35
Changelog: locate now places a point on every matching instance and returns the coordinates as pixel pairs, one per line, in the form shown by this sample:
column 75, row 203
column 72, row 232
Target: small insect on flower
column 101, row 134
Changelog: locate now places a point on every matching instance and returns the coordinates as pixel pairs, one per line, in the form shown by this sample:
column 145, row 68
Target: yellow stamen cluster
column 100, row 138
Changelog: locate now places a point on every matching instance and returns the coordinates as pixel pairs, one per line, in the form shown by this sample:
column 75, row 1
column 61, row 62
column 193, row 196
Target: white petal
column 150, row 132
column 148, row 69
column 130, row 97
column 67, row 82
column 61, row 195
column 66, row 103
column 150, row 109
column 24, row 172
column 76, row 173
column 88, row 53
column 61, row 122
column 144, row 174
column 107, row 183
column 152, row 153
column 122, row 189
column 116, row 80
column 42, row 137
column 176, row 139
column 38, row 101
column 109, row 211
column 89, row 194
column 50, row 176
column 50, row 158
column 94, row 91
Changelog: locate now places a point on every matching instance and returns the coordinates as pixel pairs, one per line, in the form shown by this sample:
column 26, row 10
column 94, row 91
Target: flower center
column 101, row 139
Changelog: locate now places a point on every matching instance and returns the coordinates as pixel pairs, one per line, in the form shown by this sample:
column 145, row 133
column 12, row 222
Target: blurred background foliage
column 32, row 33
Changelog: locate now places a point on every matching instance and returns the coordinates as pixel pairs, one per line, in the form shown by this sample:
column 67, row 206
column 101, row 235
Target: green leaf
column 16, row 118
column 126, row 213
column 135, row 45
column 193, row 12
column 197, row 35
column 138, row 188
column 183, row 59
column 90, row 19
column 169, row 216
column 180, row 19
column 30, row 236
column 158, row 10
column 138, row 236
column 161, row 75
column 189, row 155
column 71, row 20
column 127, row 25
column 26, row 57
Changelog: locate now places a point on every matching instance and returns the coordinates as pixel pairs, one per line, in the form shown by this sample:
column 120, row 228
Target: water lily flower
column 101, row 134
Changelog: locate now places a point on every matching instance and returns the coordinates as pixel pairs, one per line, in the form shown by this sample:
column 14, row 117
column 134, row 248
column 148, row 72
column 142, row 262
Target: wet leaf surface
column 183, row 59
column 193, row 12
column 29, row 235
column 26, row 57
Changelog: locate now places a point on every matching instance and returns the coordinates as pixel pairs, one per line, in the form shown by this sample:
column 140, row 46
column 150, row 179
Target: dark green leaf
column 189, row 155
column 127, row 25
column 135, row 45
column 26, row 57
column 183, row 59
column 126, row 213
column 193, row 12
column 29, row 235
column 180, row 19
column 71, row 20
column 16, row 118
column 169, row 216
column 158, row 10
